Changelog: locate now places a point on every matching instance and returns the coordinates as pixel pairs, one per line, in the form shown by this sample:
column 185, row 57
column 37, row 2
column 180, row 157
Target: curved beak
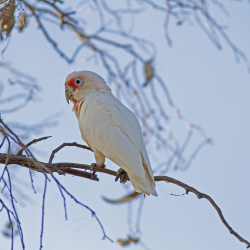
column 69, row 93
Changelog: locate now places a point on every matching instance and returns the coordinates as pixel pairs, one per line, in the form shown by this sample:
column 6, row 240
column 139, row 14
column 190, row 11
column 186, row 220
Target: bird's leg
column 122, row 175
column 100, row 159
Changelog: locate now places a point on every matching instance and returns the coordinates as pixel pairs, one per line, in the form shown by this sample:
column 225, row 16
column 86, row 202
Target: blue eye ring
column 79, row 82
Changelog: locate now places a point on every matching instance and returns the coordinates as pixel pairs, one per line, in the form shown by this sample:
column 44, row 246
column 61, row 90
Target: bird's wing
column 114, row 130
column 128, row 123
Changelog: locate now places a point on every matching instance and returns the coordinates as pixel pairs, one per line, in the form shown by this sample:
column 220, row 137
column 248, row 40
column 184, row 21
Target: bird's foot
column 122, row 175
column 92, row 169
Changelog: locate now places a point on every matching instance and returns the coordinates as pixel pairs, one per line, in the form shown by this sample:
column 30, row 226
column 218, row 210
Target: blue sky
column 212, row 91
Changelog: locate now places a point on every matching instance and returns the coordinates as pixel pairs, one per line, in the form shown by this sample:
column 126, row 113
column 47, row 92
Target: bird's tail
column 142, row 185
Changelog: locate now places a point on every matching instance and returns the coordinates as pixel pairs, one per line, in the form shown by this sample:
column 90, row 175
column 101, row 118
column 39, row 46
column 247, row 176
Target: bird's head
column 80, row 83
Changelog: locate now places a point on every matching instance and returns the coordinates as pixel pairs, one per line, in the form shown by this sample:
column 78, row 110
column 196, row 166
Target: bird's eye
column 79, row 82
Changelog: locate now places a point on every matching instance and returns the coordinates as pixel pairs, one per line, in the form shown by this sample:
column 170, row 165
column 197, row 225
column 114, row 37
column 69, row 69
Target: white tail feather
column 142, row 185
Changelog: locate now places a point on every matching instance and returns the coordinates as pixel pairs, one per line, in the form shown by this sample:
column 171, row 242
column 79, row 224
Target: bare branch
column 60, row 168
column 64, row 145
column 203, row 196
column 69, row 168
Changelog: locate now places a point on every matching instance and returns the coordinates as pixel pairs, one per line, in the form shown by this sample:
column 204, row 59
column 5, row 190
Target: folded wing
column 113, row 129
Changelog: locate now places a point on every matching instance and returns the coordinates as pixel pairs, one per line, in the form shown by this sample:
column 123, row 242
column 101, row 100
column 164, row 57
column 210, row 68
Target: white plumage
column 109, row 128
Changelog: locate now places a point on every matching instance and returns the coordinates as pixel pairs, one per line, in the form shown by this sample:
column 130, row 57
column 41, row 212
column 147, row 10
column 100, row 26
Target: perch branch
column 73, row 169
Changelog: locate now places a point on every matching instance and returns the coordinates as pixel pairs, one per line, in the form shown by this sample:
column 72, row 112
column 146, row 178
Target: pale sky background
column 212, row 91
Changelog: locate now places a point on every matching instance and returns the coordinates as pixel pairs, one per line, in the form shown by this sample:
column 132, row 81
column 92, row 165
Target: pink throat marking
column 77, row 107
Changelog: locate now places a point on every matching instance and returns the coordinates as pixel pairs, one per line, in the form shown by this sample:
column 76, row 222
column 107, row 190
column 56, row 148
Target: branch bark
column 80, row 170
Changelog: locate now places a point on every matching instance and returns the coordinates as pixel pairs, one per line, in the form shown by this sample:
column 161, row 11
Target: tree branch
column 64, row 145
column 73, row 169
column 48, row 168
column 203, row 196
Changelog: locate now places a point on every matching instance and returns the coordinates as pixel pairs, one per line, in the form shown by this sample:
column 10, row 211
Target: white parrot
column 109, row 128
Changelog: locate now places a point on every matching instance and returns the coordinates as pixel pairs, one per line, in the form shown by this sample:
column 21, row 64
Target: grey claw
column 92, row 167
column 122, row 175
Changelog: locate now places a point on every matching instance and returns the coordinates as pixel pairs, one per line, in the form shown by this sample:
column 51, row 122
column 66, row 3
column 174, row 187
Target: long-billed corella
column 109, row 128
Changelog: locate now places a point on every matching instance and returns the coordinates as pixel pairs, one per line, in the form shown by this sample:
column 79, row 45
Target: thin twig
column 43, row 208
column 63, row 189
column 74, row 144
column 30, row 143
